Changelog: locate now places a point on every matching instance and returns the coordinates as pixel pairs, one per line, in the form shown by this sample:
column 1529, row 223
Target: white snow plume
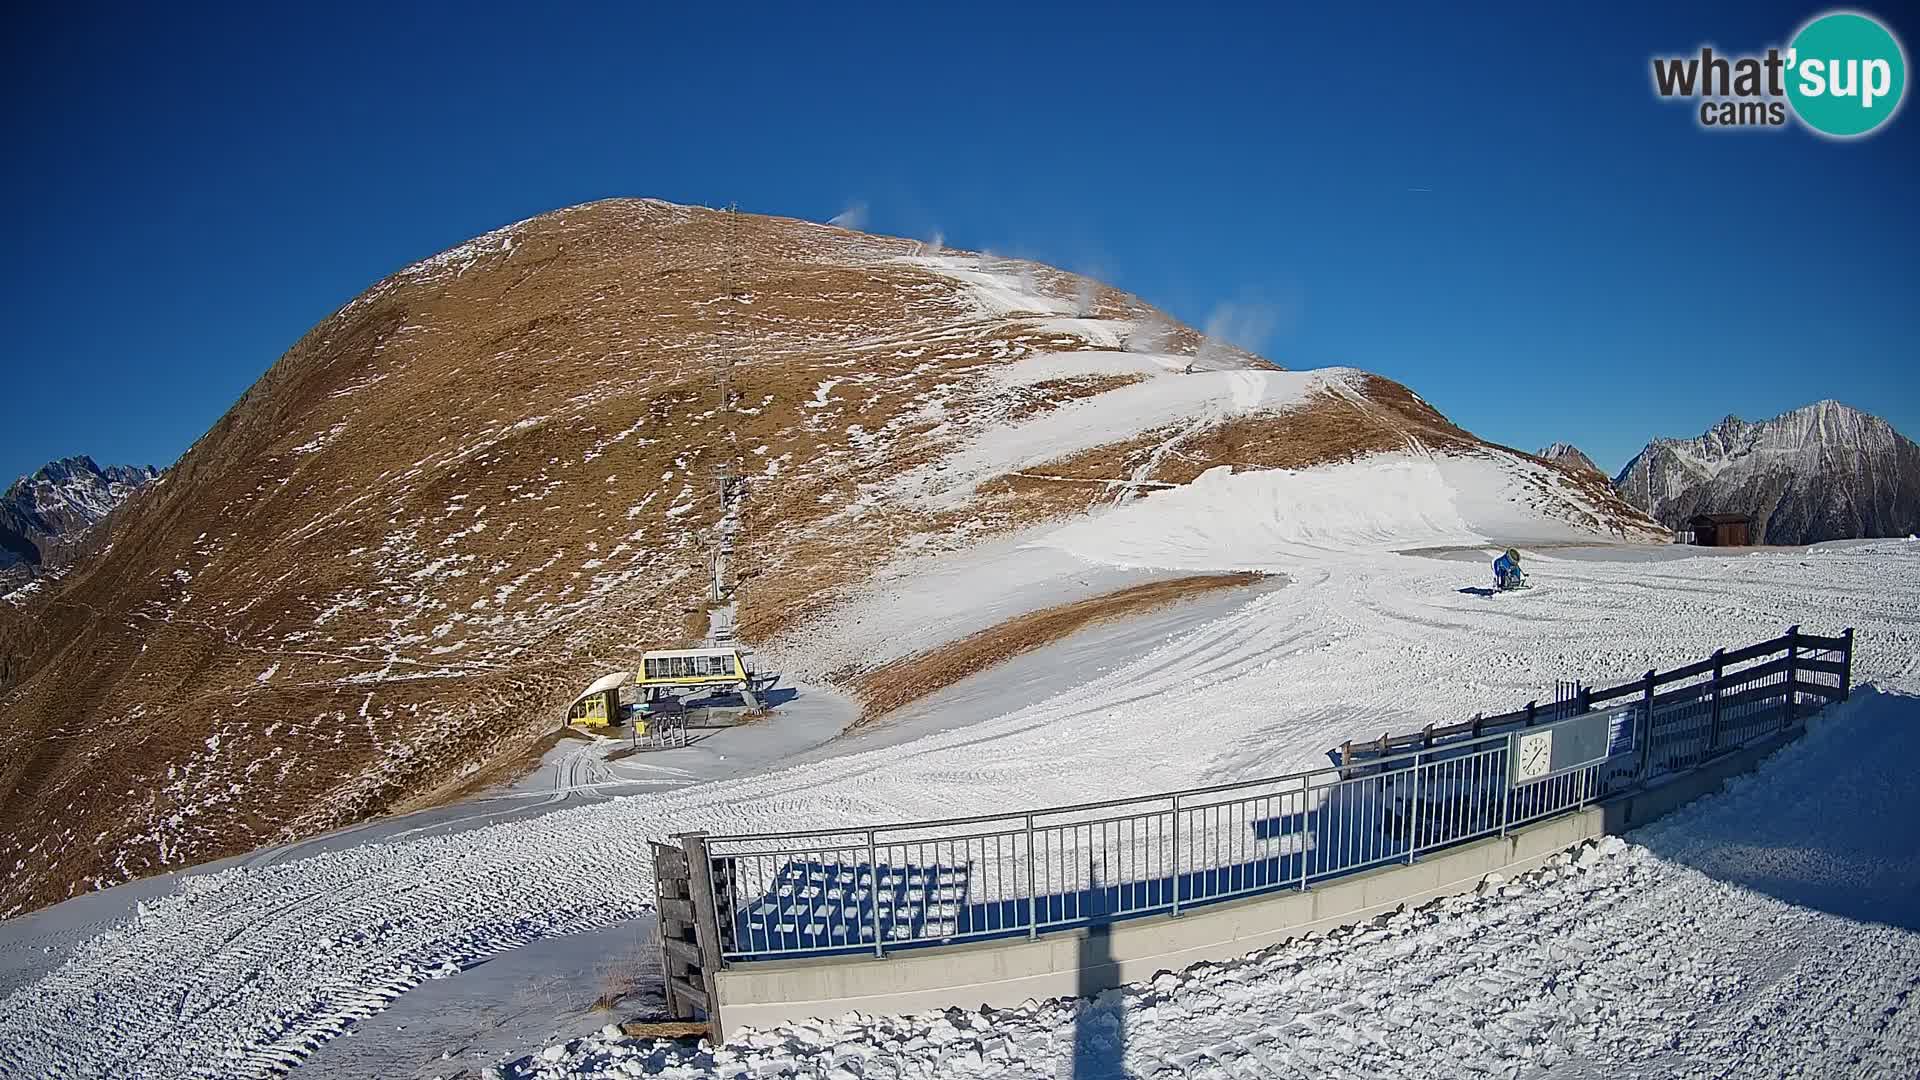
column 853, row 217
column 1149, row 336
column 1086, row 298
column 1246, row 323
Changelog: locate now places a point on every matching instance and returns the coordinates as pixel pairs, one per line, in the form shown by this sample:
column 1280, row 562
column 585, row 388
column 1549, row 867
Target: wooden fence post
column 1713, row 722
column 1793, row 672
column 689, row 947
column 706, row 924
column 1846, row 662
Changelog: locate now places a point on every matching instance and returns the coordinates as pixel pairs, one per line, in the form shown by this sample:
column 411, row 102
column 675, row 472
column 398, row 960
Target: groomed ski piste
column 1769, row 931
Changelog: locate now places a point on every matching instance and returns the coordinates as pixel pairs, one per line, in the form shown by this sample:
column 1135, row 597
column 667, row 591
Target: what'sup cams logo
column 1842, row 76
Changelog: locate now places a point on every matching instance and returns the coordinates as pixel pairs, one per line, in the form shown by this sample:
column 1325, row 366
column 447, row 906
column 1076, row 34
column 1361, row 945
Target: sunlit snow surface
column 1766, row 932
column 1675, row 958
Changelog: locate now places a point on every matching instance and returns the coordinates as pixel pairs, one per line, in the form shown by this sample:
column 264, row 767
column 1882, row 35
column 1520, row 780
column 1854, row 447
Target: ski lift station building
column 665, row 673
column 677, row 669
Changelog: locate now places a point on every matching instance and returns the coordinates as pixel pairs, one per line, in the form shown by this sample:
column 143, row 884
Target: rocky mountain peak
column 1569, row 455
column 1825, row 471
column 72, row 493
column 45, row 514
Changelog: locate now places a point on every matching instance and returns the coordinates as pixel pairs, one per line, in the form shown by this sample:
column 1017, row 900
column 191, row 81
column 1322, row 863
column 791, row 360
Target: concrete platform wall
column 1084, row 961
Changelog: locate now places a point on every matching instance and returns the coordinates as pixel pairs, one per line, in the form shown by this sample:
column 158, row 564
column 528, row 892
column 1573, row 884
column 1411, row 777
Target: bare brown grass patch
column 901, row 682
column 1032, row 400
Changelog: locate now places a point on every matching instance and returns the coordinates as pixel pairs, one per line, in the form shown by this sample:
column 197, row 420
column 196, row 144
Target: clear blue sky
column 1492, row 208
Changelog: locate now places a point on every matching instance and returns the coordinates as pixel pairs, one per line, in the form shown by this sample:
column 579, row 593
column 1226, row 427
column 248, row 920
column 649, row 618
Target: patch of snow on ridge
column 1046, row 367
column 1101, row 333
column 1268, row 520
column 1202, row 398
column 996, row 287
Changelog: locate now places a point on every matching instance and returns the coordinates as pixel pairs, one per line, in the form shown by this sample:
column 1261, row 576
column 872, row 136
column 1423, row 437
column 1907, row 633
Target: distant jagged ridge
column 43, row 513
column 1570, row 456
column 1823, row 472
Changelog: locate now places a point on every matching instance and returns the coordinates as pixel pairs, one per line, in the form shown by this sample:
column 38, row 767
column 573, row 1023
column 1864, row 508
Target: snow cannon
column 1507, row 574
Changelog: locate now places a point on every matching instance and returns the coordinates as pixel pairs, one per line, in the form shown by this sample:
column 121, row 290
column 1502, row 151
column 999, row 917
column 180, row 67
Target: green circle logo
column 1846, row 74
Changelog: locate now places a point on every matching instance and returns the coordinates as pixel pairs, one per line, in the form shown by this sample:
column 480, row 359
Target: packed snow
column 1197, row 401
column 1769, row 931
column 244, row 971
column 995, row 286
column 1263, row 520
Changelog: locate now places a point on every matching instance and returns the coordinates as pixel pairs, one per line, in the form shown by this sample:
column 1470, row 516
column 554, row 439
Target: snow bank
column 1270, row 519
column 996, row 287
column 1356, row 643
column 1655, row 957
column 1201, row 399
column 1046, row 367
column 1101, row 333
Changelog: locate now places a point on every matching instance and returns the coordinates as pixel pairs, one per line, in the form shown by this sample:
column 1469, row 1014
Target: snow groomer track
column 1760, row 933
column 1013, row 876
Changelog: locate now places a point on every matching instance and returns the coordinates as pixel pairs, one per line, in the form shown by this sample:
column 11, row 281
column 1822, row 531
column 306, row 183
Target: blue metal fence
column 929, row 883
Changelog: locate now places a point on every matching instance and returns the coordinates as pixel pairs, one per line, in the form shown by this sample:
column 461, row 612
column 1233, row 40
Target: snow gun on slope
column 1507, row 574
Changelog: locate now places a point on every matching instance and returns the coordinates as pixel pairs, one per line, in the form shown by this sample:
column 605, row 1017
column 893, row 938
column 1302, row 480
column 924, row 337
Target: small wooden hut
column 1722, row 530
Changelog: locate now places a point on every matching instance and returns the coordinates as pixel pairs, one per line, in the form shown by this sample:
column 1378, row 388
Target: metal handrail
column 1125, row 800
column 927, row 882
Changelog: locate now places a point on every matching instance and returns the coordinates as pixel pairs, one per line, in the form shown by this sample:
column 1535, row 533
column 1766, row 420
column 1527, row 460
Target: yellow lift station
column 599, row 705
column 664, row 672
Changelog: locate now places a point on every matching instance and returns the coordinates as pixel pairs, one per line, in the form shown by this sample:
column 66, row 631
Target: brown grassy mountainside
column 488, row 480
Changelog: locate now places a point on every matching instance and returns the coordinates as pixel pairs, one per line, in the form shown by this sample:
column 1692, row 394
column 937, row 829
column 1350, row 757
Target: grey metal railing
column 918, row 884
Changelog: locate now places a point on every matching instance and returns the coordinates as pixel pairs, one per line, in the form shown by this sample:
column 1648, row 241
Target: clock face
column 1533, row 755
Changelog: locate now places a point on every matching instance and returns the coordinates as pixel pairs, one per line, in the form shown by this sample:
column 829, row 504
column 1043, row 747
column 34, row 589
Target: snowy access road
column 1765, row 932
column 572, row 774
column 242, row 972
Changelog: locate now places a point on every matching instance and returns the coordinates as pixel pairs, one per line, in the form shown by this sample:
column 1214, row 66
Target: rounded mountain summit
column 492, row 477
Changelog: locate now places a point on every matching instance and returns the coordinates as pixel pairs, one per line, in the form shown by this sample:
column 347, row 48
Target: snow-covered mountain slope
column 1823, row 472
column 243, row 970
column 1263, row 520
column 44, row 514
column 490, row 479
column 1569, row 455
column 1759, row 933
